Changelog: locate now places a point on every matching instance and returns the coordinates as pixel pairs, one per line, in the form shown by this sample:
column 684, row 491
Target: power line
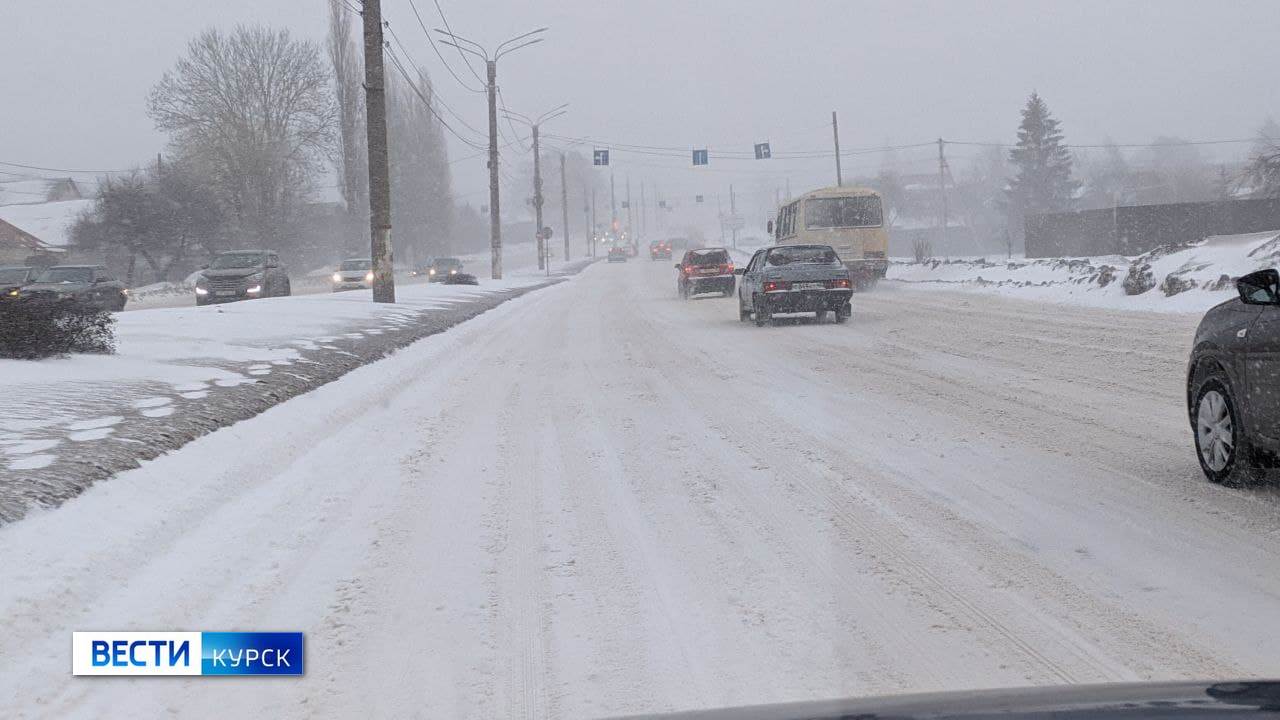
column 440, row 55
column 434, row 94
column 502, row 102
column 461, row 54
column 62, row 170
column 425, row 101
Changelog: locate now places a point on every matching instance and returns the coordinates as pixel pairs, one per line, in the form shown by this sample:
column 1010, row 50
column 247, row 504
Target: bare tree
column 347, row 74
column 252, row 110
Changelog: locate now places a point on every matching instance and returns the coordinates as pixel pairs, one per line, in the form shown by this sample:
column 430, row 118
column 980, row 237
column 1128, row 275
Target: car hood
column 232, row 273
column 1129, row 700
column 67, row 288
column 800, row 272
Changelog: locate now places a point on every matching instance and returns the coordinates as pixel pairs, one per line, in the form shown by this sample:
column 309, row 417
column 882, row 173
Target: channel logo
column 186, row 653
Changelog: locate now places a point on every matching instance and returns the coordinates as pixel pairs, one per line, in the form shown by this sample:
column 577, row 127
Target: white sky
column 707, row 73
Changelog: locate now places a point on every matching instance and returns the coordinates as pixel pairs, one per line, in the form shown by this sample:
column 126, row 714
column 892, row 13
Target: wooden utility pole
column 835, row 133
column 587, row 221
column 733, row 214
column 564, row 205
column 644, row 210
column 384, row 284
column 537, row 200
column 495, row 221
column 593, row 222
column 942, row 191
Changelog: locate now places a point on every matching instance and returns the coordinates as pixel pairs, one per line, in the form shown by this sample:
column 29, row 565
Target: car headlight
column 202, row 290
column 254, row 290
column 13, row 293
column 432, row 271
column 453, row 272
column 337, row 277
column 368, row 278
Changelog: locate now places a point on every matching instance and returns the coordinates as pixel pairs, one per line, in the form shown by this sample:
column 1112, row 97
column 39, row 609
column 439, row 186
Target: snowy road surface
column 597, row 499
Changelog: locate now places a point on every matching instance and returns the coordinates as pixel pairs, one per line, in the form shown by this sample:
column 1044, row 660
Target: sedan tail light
column 772, row 286
column 726, row 269
column 840, row 283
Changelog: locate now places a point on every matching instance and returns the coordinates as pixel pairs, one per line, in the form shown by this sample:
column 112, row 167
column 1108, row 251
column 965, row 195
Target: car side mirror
column 770, row 227
column 1259, row 288
column 205, row 266
column 678, row 266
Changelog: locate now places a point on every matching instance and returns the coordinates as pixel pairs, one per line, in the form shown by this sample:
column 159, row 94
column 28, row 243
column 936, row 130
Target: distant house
column 17, row 246
column 63, row 189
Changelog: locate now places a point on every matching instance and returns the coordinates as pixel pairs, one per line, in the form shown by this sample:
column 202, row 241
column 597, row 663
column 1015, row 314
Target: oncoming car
column 353, row 274
column 89, row 286
column 1233, row 393
column 13, row 278
column 794, row 279
column 441, row 268
column 242, row 275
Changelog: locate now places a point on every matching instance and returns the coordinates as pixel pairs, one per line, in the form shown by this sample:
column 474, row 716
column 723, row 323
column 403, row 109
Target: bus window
column 842, row 212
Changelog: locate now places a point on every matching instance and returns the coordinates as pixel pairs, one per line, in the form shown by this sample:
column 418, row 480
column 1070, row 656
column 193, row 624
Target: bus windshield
column 842, row 212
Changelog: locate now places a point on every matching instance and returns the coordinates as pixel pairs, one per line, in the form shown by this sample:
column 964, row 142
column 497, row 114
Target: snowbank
column 1184, row 278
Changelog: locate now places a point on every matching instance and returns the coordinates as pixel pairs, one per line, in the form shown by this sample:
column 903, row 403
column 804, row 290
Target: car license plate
column 225, row 293
column 809, row 286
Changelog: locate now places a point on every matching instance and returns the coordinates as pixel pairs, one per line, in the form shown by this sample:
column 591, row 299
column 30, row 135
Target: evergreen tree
column 1042, row 180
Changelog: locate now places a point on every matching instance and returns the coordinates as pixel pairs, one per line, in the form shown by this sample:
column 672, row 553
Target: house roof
column 49, row 222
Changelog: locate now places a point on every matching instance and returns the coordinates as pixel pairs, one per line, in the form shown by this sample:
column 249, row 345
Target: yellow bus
column 849, row 219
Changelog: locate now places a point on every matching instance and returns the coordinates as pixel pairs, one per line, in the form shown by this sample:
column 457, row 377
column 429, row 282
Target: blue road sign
column 699, row 157
column 762, row 151
column 601, row 157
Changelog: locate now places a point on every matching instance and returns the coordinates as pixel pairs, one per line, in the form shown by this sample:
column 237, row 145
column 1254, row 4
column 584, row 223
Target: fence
column 1133, row 230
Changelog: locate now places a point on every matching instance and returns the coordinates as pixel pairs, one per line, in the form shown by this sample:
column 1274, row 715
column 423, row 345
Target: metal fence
column 1133, row 230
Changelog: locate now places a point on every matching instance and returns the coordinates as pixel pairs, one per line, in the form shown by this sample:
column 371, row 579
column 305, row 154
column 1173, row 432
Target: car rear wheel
column 763, row 315
column 820, row 316
column 743, row 313
column 843, row 313
column 1224, row 453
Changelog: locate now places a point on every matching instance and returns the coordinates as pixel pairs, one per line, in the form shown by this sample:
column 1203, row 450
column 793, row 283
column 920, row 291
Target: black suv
column 1233, row 382
column 242, row 275
column 88, row 285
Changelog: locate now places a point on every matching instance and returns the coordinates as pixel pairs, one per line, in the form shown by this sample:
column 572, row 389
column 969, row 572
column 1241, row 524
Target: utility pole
column 564, row 205
column 384, row 287
column 644, row 210
column 720, row 216
column 593, row 221
column 586, row 221
column 537, row 200
column 942, row 189
column 613, row 206
column 631, row 230
column 159, row 164
column 835, row 133
column 544, row 246
column 491, row 68
column 495, row 219
column 733, row 213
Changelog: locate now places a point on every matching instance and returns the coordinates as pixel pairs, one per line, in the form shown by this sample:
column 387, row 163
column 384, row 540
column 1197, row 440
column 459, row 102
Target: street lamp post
column 491, row 67
column 534, row 124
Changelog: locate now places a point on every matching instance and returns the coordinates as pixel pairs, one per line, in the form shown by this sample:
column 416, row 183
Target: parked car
column 659, row 250
column 353, row 274
column 89, row 285
column 12, row 278
column 705, row 270
column 1233, row 382
column 795, row 279
column 617, row 253
column 242, row 275
column 441, row 268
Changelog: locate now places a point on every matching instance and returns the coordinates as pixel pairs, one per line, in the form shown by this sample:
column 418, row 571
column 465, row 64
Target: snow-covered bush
column 34, row 329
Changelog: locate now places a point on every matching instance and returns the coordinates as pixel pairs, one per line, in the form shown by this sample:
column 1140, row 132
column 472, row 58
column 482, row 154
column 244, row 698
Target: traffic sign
column 601, row 157
column 734, row 222
column 762, row 151
column 697, row 198
column 700, row 157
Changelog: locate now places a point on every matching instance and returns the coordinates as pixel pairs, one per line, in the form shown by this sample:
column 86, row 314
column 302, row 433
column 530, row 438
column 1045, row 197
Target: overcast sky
column 689, row 73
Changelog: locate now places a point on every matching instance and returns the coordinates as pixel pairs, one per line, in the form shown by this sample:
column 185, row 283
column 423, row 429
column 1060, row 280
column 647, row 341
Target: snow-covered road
column 598, row 499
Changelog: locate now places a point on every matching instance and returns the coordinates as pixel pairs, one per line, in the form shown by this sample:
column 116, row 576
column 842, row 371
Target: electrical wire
column 434, row 94
column 461, row 54
column 440, row 55
column 425, row 101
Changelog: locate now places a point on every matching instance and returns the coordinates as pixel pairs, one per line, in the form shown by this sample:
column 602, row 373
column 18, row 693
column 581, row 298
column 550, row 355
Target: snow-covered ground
column 183, row 354
column 1188, row 279
column 598, row 499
